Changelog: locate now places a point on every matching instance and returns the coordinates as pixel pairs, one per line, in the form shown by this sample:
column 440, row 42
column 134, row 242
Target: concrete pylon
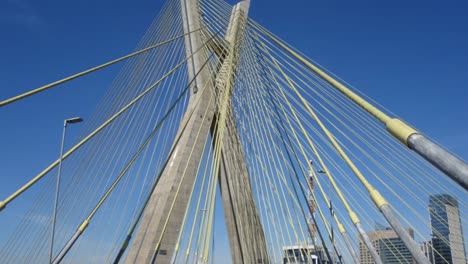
column 246, row 236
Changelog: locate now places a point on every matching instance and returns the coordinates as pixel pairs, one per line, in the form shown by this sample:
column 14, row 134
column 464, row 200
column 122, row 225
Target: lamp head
column 74, row 120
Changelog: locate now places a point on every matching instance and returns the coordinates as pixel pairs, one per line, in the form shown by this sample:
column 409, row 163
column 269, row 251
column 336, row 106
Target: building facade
column 308, row 254
column 388, row 245
column 300, row 254
column 447, row 234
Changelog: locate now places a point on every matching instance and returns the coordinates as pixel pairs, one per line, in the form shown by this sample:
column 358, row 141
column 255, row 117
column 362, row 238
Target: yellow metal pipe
column 448, row 163
column 399, row 129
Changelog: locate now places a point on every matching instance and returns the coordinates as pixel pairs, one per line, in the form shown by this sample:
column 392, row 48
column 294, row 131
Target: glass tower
column 447, row 233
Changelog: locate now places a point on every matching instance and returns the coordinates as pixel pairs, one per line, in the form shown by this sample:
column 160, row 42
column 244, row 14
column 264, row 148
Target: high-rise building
column 447, row 233
column 388, row 245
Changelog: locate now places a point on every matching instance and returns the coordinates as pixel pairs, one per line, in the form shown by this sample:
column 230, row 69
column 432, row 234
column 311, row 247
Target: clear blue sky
column 411, row 56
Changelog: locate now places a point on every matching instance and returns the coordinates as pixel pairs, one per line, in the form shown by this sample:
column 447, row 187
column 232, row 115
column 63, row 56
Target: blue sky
column 411, row 56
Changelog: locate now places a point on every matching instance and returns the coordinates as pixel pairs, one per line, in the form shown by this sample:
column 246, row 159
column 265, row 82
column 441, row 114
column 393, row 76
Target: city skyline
column 446, row 246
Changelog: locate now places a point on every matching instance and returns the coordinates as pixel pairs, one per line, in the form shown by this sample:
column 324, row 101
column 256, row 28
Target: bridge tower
column 155, row 239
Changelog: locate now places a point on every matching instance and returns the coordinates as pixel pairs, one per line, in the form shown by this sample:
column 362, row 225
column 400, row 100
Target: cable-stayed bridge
column 212, row 111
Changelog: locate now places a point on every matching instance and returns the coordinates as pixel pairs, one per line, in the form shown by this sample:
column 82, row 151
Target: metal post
column 409, row 242
column 350, row 247
column 368, row 243
column 70, row 243
column 57, row 186
column 448, row 163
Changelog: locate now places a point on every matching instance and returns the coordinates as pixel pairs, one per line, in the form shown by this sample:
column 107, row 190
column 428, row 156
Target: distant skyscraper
column 388, row 245
column 447, row 233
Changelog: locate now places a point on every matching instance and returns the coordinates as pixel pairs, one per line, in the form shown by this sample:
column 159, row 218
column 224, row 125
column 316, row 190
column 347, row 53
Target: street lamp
column 65, row 123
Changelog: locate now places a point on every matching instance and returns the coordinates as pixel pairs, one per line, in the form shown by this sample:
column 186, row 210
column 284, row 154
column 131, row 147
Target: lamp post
column 65, row 123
